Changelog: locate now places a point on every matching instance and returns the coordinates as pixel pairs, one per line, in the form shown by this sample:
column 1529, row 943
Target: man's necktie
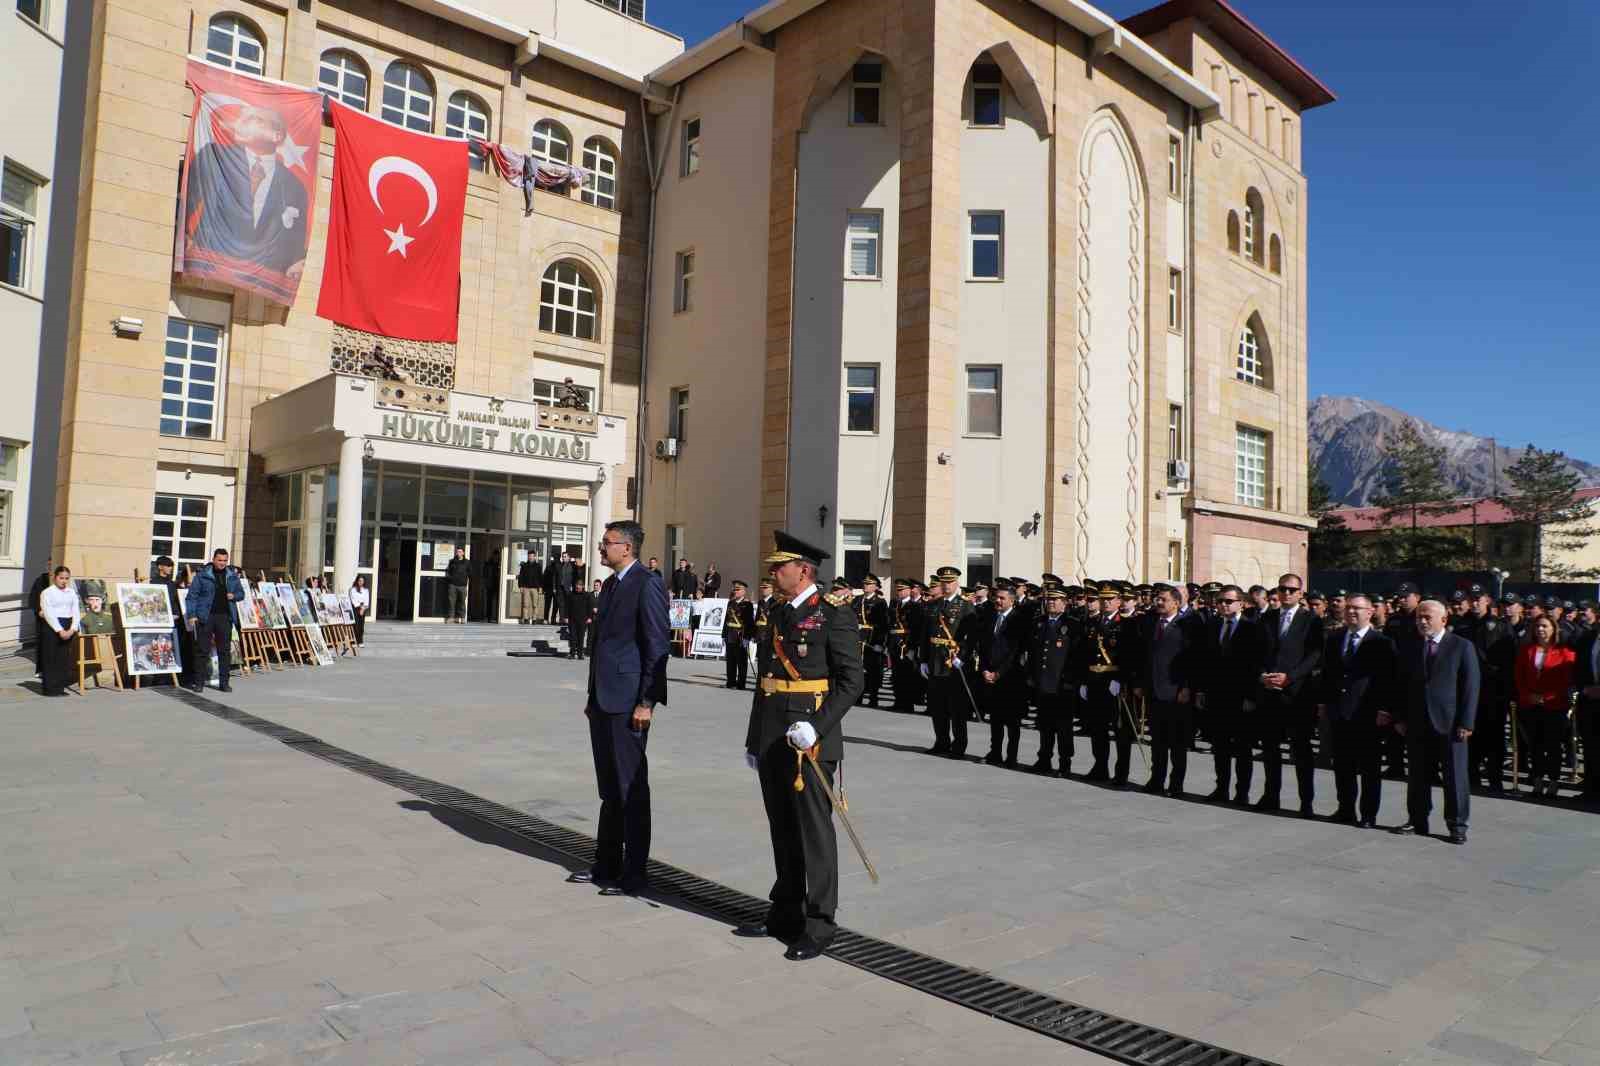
column 1227, row 632
column 258, row 174
column 1433, row 650
column 1350, row 647
column 1283, row 624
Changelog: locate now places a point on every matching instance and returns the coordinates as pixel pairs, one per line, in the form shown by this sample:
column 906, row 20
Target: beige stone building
column 209, row 417
column 1011, row 285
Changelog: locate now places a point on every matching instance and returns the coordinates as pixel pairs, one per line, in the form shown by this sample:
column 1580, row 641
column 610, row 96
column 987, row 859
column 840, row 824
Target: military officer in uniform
column 1053, row 649
column 809, row 667
column 738, row 626
column 902, row 645
column 945, row 624
column 872, row 614
column 1100, row 687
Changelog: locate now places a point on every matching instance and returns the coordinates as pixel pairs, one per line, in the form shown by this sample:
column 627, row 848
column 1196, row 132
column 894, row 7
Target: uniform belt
column 1101, row 668
column 810, row 688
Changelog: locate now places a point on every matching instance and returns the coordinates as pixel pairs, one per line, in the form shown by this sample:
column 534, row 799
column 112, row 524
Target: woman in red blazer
column 1544, row 681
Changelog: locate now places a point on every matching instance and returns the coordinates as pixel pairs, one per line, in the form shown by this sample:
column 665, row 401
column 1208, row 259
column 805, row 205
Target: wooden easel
column 127, row 650
column 98, row 650
column 301, row 648
column 250, row 651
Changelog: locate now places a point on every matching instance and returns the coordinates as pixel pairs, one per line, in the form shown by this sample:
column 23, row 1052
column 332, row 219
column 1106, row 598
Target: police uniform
column 809, row 667
column 738, row 626
column 946, row 625
column 872, row 622
column 1052, row 653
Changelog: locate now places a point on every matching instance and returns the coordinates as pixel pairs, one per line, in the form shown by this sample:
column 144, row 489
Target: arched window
column 551, row 142
column 343, row 77
column 566, row 302
column 233, row 42
column 465, row 117
column 408, row 97
column 600, row 160
column 1254, row 231
column 1275, row 255
column 1253, row 364
column 986, row 105
column 1233, row 231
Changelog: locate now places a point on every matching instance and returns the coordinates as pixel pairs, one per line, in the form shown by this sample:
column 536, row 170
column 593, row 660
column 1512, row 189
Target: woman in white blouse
column 59, row 611
column 360, row 600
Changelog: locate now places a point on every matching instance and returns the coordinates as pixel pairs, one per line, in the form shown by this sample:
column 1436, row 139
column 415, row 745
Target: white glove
column 751, row 761
column 801, row 736
column 922, row 668
column 955, row 664
column 1116, row 688
column 1083, row 692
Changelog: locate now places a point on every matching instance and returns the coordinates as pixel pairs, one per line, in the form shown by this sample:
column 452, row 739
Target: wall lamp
column 822, row 516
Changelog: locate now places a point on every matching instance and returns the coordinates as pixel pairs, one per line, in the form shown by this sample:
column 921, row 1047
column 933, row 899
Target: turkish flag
column 394, row 236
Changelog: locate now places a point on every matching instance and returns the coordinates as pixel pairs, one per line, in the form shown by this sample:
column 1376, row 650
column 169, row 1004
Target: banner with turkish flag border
column 249, row 182
column 393, row 262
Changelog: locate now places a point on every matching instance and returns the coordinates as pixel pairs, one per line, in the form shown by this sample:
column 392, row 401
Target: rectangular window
column 861, row 399
column 1174, row 167
column 1249, row 233
column 691, row 146
column 857, row 551
column 674, row 548
column 678, row 413
column 866, row 94
column 32, row 10
column 181, row 528
column 549, row 392
column 983, row 401
column 1174, row 432
column 988, row 96
column 1250, row 466
column 1175, row 300
column 982, row 558
column 191, row 380
column 683, row 289
column 19, row 213
column 986, row 256
column 10, row 471
column 863, row 233
column 1174, row 560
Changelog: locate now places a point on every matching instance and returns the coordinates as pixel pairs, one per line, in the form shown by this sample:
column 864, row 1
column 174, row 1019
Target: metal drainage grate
column 1105, row 1034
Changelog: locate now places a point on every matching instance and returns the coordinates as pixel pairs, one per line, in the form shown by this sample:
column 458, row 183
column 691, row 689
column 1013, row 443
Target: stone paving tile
column 239, row 1044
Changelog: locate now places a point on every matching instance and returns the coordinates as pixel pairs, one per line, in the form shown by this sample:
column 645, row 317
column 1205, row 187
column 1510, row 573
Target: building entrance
column 395, row 580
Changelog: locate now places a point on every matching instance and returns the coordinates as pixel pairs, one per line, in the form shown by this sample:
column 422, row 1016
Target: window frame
column 39, row 17
column 176, row 539
column 851, row 215
column 997, row 86
column 218, row 384
column 967, row 551
column 411, row 94
column 675, row 547
column 678, row 400
column 858, row 86
column 602, row 152
column 1249, row 367
column 1174, row 167
column 239, row 30
column 1247, row 463
column 10, row 492
column 1174, row 300
column 349, row 66
column 576, row 287
column 1247, row 233
column 466, row 102
column 999, row 400
column 1175, row 436
column 999, row 240
column 544, row 392
column 683, row 266
column 24, row 221
column 689, row 147
column 550, row 126
column 876, row 392
column 846, row 548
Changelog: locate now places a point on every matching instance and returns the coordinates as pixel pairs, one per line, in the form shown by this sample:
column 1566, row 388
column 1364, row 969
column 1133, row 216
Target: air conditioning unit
column 667, row 448
column 1178, row 470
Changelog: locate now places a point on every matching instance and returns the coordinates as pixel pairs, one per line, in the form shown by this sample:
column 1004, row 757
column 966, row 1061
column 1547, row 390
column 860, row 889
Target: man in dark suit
column 1230, row 665
column 1586, row 679
column 1051, row 653
column 627, row 679
column 245, row 207
column 1441, row 680
column 1356, row 699
column 1002, row 642
column 1293, row 638
column 580, row 613
column 1167, row 641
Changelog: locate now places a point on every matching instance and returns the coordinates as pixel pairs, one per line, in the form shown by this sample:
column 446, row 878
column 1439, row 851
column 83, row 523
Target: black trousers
column 872, row 663
column 738, row 663
column 361, row 624
column 1171, row 730
column 1394, row 754
column 57, row 657
column 1232, row 732
column 1357, row 766
column 1004, row 703
column 949, row 708
column 1106, row 717
column 552, row 606
column 805, row 850
column 214, row 631
column 1055, row 725
column 1547, row 732
column 1589, row 734
column 1486, row 748
column 622, row 843
column 1427, row 751
column 907, row 683
column 1280, row 718
column 577, row 635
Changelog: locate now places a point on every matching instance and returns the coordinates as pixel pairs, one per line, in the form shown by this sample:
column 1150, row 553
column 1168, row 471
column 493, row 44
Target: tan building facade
column 1015, row 286
column 213, row 417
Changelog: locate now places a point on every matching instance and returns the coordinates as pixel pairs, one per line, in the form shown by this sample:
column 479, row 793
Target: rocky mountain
column 1348, row 434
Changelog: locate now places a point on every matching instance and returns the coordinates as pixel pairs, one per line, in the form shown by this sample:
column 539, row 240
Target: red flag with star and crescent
column 393, row 262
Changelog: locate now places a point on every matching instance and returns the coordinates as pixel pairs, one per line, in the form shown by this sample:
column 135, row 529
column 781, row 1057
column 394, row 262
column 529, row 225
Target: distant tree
column 1544, row 495
column 1331, row 544
column 1414, row 488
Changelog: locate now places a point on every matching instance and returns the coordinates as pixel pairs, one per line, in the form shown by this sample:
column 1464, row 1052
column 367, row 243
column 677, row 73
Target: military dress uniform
column 902, row 645
column 809, row 670
column 872, row 614
column 1052, row 655
column 1100, row 663
column 738, row 626
column 946, row 622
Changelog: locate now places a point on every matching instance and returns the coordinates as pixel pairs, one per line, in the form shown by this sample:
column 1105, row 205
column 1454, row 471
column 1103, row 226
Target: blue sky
column 1453, row 197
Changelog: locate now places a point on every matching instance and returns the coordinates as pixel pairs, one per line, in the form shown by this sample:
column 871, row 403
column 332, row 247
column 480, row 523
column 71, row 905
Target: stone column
column 347, row 520
column 600, row 496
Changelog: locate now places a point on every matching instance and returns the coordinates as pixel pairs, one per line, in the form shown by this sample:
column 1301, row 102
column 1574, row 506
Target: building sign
column 486, row 431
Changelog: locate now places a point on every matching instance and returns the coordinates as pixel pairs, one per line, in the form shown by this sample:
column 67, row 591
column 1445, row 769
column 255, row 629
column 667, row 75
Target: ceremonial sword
column 810, row 756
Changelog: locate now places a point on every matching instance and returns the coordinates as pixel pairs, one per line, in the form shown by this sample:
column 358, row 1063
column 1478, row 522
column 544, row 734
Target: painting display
column 144, row 606
column 266, row 600
column 347, row 613
column 319, row 646
column 289, row 602
column 332, row 616
column 248, row 618
column 153, row 653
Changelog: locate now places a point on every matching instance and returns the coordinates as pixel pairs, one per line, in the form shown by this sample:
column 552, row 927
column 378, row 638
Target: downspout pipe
column 656, row 163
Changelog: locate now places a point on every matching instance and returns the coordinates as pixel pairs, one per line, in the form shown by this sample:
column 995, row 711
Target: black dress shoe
column 1410, row 829
column 937, row 750
column 1265, row 804
column 803, row 949
column 1458, row 836
column 992, row 759
column 761, row 930
column 1176, row 792
column 1367, row 823
column 1217, row 795
column 589, row 877
column 1097, row 773
column 1344, row 817
column 1307, row 811
column 224, row 688
column 1153, row 788
column 1011, row 764
column 1041, row 767
column 622, row 890
column 1241, row 799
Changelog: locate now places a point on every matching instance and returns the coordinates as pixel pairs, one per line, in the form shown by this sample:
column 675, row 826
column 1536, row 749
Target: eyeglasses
column 1234, row 600
column 1288, row 588
column 604, row 544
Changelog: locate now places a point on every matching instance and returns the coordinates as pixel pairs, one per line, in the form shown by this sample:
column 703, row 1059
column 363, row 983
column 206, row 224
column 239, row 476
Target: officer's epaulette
column 840, row 598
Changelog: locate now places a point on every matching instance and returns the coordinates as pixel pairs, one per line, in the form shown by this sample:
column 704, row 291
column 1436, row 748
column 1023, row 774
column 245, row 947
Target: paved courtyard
column 175, row 889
